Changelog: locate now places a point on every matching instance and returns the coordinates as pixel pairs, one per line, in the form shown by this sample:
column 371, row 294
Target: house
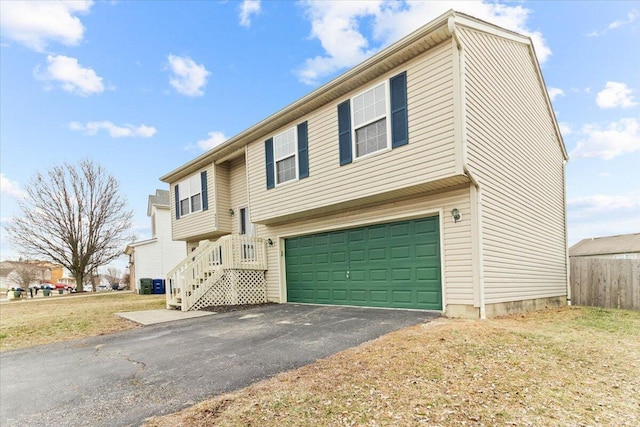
column 14, row 273
column 430, row 176
column 153, row 258
column 626, row 246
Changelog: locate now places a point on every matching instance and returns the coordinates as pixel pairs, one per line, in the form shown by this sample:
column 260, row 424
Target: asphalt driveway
column 124, row 378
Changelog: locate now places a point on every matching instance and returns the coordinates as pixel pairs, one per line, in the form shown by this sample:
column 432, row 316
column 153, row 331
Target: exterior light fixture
column 456, row 215
column 270, row 242
column 231, row 212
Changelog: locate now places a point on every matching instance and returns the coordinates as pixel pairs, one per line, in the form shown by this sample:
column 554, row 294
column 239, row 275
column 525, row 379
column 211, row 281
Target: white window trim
column 187, row 180
column 354, row 150
column 295, row 157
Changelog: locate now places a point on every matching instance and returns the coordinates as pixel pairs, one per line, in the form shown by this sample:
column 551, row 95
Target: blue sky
column 142, row 87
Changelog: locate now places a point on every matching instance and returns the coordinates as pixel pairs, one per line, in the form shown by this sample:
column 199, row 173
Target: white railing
column 202, row 268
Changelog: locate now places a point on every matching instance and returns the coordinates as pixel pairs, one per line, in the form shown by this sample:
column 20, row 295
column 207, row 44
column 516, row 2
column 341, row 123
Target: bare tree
column 113, row 275
column 24, row 272
column 74, row 216
column 126, row 280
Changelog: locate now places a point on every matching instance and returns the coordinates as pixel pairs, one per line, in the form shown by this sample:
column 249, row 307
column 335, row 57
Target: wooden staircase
column 227, row 271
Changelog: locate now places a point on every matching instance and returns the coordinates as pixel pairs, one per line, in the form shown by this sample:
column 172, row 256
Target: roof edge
column 232, row 143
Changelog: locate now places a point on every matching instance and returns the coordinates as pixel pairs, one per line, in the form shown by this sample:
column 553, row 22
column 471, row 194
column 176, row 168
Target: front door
column 247, row 229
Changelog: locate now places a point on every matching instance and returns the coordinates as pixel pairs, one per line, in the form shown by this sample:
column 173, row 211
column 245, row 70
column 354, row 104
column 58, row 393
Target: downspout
column 566, row 232
column 465, row 166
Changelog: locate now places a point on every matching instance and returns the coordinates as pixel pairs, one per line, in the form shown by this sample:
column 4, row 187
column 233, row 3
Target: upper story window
column 191, row 195
column 284, row 150
column 370, row 120
column 374, row 120
column 287, row 156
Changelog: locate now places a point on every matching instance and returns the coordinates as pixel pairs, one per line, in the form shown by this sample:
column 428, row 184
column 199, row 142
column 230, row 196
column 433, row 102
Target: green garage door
column 385, row 265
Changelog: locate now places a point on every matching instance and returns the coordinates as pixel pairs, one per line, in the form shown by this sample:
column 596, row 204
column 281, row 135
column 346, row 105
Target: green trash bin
column 46, row 292
column 17, row 294
column 146, row 286
column 61, row 291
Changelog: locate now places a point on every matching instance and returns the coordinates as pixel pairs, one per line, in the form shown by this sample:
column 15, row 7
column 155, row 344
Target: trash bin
column 146, row 286
column 158, row 286
column 61, row 291
column 46, row 292
column 17, row 293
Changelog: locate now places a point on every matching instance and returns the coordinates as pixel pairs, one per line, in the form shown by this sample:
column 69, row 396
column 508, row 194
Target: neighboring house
column 155, row 257
column 430, row 176
column 39, row 271
column 626, row 246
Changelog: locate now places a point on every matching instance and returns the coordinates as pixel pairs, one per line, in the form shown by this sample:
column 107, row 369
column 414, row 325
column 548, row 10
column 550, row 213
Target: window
column 284, row 151
column 625, row 256
column 374, row 120
column 287, row 156
column 190, row 195
column 370, row 120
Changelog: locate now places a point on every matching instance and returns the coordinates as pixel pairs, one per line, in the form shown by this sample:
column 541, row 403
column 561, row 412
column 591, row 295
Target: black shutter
column 344, row 132
column 399, row 120
column 303, row 150
column 205, row 195
column 177, row 194
column 268, row 154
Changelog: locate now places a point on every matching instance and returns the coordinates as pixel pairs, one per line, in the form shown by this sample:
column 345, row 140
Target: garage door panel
column 377, row 254
column 428, row 298
column 323, row 294
column 339, row 296
column 400, row 229
column 427, row 273
column 339, row 256
column 322, row 276
column 377, row 233
column 427, row 250
column 357, row 255
column 379, row 275
column 389, row 265
column 379, row 296
column 401, row 297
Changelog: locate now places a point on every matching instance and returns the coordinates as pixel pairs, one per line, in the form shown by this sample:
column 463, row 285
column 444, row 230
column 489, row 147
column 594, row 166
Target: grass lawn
column 561, row 367
column 62, row 318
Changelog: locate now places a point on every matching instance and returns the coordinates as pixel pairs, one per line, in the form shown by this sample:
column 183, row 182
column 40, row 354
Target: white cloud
column 565, row 129
column 601, row 203
column 337, row 26
column 71, row 76
column 615, row 94
column 92, row 128
column 188, row 77
column 11, row 188
column 215, row 138
column 247, row 9
column 602, row 215
column 554, row 92
column 615, row 139
column 631, row 16
column 36, row 23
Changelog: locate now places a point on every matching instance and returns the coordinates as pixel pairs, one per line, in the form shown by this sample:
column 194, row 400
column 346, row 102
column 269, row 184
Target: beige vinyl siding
column 238, row 189
column 429, row 156
column 223, row 197
column 200, row 224
column 517, row 158
column 455, row 237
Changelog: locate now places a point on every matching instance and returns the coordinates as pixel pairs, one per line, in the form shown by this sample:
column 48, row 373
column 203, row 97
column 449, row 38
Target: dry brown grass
column 63, row 318
column 566, row 367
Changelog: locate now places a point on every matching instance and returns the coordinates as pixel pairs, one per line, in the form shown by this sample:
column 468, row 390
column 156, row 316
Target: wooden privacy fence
column 607, row 283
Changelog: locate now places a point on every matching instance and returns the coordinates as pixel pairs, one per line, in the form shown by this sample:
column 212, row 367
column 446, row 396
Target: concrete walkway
column 153, row 317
